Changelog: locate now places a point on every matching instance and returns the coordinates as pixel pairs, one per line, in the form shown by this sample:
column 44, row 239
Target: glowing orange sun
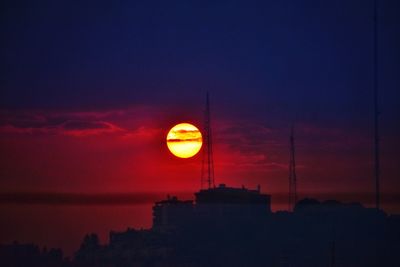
column 184, row 140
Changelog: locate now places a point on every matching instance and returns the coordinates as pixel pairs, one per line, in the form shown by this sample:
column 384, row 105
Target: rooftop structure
column 220, row 202
column 231, row 195
column 171, row 213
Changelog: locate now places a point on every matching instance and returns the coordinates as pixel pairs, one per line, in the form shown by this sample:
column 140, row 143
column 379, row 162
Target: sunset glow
column 189, row 134
column 184, row 140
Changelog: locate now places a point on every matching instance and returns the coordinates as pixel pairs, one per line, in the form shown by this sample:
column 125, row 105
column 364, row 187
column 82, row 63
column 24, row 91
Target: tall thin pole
column 376, row 110
column 292, row 172
column 333, row 248
column 333, row 254
column 207, row 175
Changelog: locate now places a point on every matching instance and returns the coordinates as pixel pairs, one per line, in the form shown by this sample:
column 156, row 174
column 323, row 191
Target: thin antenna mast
column 376, row 110
column 333, row 253
column 292, row 172
column 207, row 170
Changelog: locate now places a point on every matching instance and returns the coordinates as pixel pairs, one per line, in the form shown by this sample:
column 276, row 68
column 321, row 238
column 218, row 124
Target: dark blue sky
column 303, row 59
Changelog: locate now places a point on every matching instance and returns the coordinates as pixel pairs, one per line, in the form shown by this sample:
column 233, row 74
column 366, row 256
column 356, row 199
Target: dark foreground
column 235, row 227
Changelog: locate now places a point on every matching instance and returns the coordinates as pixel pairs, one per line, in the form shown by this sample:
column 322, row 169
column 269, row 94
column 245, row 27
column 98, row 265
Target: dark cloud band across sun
column 185, row 140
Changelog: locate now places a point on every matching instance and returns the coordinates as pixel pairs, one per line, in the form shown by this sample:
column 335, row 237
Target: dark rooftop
column 231, row 195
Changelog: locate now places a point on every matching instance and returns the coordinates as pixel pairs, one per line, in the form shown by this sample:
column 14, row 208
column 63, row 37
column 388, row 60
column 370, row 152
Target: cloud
column 37, row 122
column 83, row 125
column 185, row 140
column 142, row 133
column 132, row 122
column 183, row 131
column 41, row 198
column 85, row 128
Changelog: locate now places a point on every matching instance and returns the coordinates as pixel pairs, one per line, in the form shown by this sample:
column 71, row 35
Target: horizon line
column 137, row 198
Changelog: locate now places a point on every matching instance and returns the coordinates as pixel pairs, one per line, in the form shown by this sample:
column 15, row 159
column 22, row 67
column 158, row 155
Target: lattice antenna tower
column 207, row 170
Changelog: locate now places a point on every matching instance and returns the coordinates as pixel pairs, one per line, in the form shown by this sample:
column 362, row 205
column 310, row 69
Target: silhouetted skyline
column 227, row 226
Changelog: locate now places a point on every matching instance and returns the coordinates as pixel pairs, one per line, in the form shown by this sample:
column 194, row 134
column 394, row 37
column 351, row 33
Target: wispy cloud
column 41, row 198
column 76, row 124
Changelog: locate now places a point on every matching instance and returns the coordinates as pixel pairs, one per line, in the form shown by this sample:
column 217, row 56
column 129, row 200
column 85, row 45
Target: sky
column 90, row 89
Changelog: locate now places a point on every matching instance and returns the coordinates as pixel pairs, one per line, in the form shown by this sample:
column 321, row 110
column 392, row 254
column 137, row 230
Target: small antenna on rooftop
column 207, row 170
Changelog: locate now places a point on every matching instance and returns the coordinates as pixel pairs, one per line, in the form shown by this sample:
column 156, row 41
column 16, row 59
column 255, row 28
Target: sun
column 184, row 140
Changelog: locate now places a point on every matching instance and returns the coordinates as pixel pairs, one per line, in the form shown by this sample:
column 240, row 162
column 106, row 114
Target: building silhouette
column 21, row 255
column 171, row 213
column 226, row 226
